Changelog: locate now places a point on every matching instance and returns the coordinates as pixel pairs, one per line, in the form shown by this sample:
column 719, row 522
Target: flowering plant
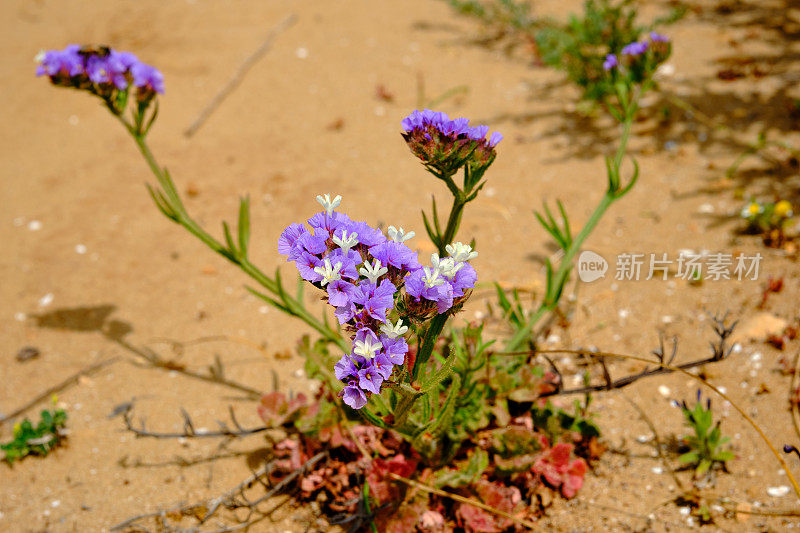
column 389, row 360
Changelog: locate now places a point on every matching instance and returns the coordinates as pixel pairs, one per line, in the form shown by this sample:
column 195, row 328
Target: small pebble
column 264, row 309
column 46, row 300
column 663, row 390
column 73, row 120
column 705, row 209
column 299, row 373
column 642, row 439
column 34, row 225
column 20, row 317
column 779, row 491
column 301, row 53
column 624, row 313
column 55, row 503
column 685, row 510
column 27, row 353
column 80, row 249
column 657, row 470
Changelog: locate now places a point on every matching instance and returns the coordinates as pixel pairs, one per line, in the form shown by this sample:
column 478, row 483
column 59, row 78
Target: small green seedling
column 707, row 444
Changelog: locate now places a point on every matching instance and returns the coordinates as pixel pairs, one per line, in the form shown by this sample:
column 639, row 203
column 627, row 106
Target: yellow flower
column 783, row 209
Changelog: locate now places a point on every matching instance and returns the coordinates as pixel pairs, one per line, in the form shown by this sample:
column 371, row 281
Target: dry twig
column 237, row 77
column 73, row 379
column 234, row 499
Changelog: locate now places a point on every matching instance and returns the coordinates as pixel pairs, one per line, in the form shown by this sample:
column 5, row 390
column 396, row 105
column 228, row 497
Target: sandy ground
column 69, row 170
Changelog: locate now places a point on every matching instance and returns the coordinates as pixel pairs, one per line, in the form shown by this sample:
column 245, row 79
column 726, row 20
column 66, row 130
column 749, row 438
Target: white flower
column 431, row 277
column 394, row 331
column 367, row 348
column 329, row 273
column 373, row 272
column 460, row 252
column 346, row 241
column 398, row 235
column 328, row 204
column 447, row 266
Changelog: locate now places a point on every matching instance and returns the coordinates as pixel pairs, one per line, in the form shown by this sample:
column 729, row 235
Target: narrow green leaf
column 244, row 225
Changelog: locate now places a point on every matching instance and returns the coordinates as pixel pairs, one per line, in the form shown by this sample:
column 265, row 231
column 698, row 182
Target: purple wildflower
column 395, row 349
column 329, row 223
column 464, row 279
column 147, row 77
column 658, row 37
column 370, row 380
column 288, row 240
column 428, row 283
column 634, row 49
column 345, row 313
column 306, row 263
column 367, row 235
column 345, row 368
column 383, row 365
column 340, row 293
column 353, row 396
column 495, row 139
column 375, row 299
column 396, row 254
column 97, row 69
column 349, row 262
column 67, row 62
column 610, row 62
column 445, row 145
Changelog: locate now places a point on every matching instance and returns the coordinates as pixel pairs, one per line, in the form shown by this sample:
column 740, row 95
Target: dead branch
column 47, row 394
column 237, row 77
column 189, row 431
column 719, row 349
column 232, row 500
column 214, row 375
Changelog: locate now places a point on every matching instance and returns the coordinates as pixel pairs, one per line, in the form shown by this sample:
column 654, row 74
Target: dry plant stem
column 761, row 512
column 58, row 388
column 752, row 422
column 462, row 499
column 189, row 431
column 232, row 499
column 154, row 359
column 793, row 387
column 656, row 440
column 237, row 77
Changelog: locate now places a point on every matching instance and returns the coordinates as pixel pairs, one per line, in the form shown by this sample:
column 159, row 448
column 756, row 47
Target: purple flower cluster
column 634, row 49
column 610, row 62
column 445, row 145
column 658, row 44
column 375, row 283
column 100, row 69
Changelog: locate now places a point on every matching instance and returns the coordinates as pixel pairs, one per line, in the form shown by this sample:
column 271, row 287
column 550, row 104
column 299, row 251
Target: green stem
column 296, row 307
column 431, row 336
column 565, row 266
column 453, row 222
